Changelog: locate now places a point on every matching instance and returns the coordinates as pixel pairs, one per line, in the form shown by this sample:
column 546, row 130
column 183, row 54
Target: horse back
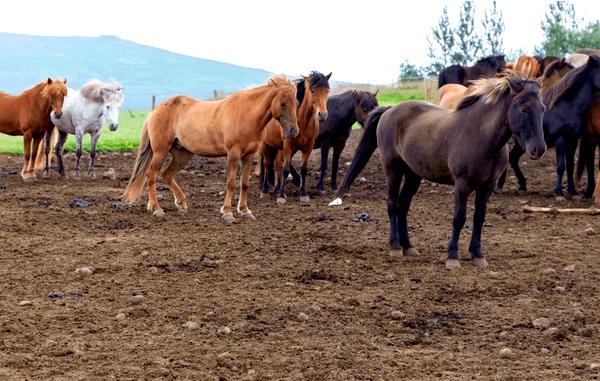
column 452, row 74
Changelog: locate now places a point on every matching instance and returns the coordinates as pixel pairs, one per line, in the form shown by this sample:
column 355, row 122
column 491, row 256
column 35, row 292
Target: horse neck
column 495, row 129
column 580, row 102
column 36, row 100
column 306, row 115
column 261, row 97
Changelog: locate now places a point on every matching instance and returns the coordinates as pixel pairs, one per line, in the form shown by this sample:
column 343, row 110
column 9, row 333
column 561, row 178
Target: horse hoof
column 479, row 262
column 228, row 218
column 159, row 213
column 411, row 251
column 396, row 253
column 321, row 191
column 560, row 198
column 182, row 208
column 248, row 216
column 304, row 199
column 452, row 264
column 281, row 200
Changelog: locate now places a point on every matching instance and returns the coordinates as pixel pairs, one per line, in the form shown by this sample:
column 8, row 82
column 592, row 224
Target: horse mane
column 281, row 81
column 315, row 79
column 490, row 90
column 554, row 66
column 94, row 90
column 564, row 85
column 489, row 59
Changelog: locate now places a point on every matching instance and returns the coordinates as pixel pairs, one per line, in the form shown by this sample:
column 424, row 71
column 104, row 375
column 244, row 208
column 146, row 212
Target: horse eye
column 282, row 104
column 312, row 90
column 525, row 110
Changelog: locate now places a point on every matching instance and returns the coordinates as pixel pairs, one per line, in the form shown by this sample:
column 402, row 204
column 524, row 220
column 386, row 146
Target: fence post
column 153, row 101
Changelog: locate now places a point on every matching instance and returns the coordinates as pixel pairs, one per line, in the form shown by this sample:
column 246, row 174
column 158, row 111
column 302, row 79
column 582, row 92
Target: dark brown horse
column 485, row 67
column 466, row 148
column 232, row 127
column 28, row 114
column 312, row 92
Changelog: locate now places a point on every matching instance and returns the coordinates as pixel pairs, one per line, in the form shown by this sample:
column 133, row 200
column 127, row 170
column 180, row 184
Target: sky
column 359, row 41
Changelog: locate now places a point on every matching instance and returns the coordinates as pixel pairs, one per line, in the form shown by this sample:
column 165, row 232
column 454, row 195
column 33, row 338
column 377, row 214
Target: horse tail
column 134, row 188
column 365, row 149
column 40, row 159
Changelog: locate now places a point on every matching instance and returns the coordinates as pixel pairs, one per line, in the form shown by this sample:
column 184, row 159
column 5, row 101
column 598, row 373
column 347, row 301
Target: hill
column 143, row 70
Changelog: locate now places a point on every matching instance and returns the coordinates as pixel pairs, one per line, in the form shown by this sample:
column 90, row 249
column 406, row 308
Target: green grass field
column 127, row 137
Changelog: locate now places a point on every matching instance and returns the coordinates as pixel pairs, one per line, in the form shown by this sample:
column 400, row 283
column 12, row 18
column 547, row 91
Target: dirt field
column 305, row 291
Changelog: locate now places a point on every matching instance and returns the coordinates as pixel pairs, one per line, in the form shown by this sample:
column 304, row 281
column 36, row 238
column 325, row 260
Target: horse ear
column 594, row 59
column 65, row 81
column 516, row 86
column 356, row 94
column 328, row 75
column 375, row 93
column 49, row 81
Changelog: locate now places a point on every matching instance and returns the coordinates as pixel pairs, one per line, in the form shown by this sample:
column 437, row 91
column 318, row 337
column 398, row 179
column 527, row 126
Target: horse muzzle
column 57, row 115
column 536, row 151
column 322, row 116
column 113, row 127
column 291, row 132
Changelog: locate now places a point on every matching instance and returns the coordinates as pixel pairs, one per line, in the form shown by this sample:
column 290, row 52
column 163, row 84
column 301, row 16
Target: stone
column 506, row 353
column 191, row 325
column 136, row 299
column 589, row 230
column 302, row 316
column 224, row 330
column 541, row 323
column 24, row 303
column 397, row 314
column 569, row 268
column 120, row 316
column 84, row 271
column 549, row 270
column 109, row 174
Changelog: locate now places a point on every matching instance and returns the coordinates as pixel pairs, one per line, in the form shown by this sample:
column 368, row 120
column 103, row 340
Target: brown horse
column 553, row 73
column 450, row 95
column 528, row 65
column 312, row 97
column 232, row 127
column 28, row 114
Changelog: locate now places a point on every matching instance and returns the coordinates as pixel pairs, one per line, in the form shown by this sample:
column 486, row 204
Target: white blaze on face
column 110, row 111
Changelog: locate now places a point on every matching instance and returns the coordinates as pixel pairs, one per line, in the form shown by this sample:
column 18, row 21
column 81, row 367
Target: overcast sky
column 359, row 40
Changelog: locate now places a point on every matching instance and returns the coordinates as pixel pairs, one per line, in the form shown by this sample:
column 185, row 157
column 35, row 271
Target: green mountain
column 142, row 70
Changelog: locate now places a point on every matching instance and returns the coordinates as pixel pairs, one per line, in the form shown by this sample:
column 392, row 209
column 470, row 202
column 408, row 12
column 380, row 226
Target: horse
column 545, row 62
column 450, row 95
column 344, row 110
column 578, row 59
column 528, row 65
column 84, row 111
column 465, row 148
column 312, row 94
column 564, row 121
column 485, row 67
column 232, row 127
column 553, row 73
column 28, row 114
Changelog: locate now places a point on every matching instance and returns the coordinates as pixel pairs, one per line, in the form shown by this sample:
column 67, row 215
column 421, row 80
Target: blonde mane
column 490, row 90
column 97, row 91
column 281, row 81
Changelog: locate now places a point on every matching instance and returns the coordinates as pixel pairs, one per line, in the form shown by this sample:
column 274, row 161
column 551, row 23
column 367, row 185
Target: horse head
column 112, row 96
column 55, row 91
column 284, row 106
column 525, row 114
column 365, row 103
column 318, row 84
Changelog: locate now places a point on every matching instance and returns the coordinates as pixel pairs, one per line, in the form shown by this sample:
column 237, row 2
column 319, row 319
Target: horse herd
column 462, row 142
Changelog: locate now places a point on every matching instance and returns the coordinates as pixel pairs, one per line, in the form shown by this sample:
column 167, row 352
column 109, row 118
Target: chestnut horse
column 450, row 95
column 312, row 97
column 28, row 114
column 232, row 127
column 528, row 66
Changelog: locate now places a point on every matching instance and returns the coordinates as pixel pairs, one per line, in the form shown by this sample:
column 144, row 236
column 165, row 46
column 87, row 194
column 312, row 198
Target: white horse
column 85, row 111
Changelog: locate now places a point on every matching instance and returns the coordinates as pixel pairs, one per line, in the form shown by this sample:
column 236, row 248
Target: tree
column 468, row 43
column 589, row 37
column 560, row 29
column 440, row 50
column 493, row 26
column 410, row 72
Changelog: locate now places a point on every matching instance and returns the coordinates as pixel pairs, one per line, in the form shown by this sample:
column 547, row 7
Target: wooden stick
column 533, row 209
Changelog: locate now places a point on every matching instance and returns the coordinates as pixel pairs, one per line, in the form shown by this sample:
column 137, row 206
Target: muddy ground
column 306, row 292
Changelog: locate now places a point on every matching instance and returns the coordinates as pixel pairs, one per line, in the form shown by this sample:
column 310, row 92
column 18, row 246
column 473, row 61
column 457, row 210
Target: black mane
column 316, row 80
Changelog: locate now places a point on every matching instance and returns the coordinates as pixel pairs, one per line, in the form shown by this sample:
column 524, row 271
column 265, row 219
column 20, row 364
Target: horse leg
column 158, row 157
column 79, row 151
column 482, row 195
column 285, row 171
column 560, row 168
column 461, row 196
column 589, row 164
column 586, row 143
column 232, row 163
column 180, row 158
column 323, row 169
column 409, row 189
column 47, row 149
column 62, row 137
column 264, row 171
column 303, row 172
column 394, row 172
column 571, row 147
column 94, row 141
column 27, row 155
column 335, row 162
column 35, row 145
column 514, row 156
column 245, row 183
